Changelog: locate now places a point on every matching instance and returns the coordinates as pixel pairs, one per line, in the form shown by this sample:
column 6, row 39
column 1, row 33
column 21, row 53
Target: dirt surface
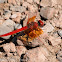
column 47, row 46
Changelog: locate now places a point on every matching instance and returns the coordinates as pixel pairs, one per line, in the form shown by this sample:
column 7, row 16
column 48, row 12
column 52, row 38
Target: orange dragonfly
column 32, row 29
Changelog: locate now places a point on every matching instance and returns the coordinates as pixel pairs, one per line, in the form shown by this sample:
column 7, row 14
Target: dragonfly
column 32, row 29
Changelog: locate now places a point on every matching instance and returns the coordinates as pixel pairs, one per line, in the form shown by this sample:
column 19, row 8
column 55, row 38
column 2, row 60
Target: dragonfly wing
column 31, row 19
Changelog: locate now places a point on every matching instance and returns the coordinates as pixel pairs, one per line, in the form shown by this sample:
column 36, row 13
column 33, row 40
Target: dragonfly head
column 40, row 23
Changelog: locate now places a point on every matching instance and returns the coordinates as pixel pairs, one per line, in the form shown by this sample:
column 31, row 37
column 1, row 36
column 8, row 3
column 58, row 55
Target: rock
column 12, row 47
column 60, row 32
column 56, row 23
column 7, row 16
column 45, row 3
column 12, row 2
column 26, row 4
column 19, row 42
column 15, row 53
column 3, row 60
column 4, row 30
column 6, row 11
column 25, row 21
column 17, row 58
column 6, row 6
column 7, row 27
column 54, row 40
column 60, row 17
column 36, row 1
column 59, row 2
column 53, row 2
column 9, row 47
column 48, row 27
column 23, row 16
column 36, row 55
column 11, row 60
column 52, row 58
column 1, row 6
column 17, row 19
column 18, row 2
column 19, row 8
column 20, row 50
column 52, row 22
column 13, row 16
column 31, row 1
column 18, row 26
column 33, row 8
column 60, row 12
column 22, row 1
column 59, row 56
column 1, row 21
column 6, row 48
column 1, row 12
column 47, row 12
column 2, row 1
column 9, row 54
column 16, row 13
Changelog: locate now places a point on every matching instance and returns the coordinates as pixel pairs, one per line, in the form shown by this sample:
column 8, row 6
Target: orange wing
column 31, row 19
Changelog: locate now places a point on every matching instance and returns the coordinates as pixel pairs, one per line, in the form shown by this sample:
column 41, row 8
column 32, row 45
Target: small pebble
column 60, row 32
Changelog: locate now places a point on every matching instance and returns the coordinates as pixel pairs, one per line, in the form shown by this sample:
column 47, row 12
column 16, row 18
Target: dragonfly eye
column 40, row 23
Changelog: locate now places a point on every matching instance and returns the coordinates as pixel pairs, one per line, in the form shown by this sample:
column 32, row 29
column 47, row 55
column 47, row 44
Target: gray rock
column 54, row 40
column 7, row 14
column 59, row 56
column 47, row 12
column 7, row 27
column 18, row 8
column 60, row 32
column 46, row 3
column 48, row 27
column 12, row 60
column 9, row 47
column 20, row 50
column 30, row 1
column 36, row 1
column 13, row 16
column 36, row 55
column 18, row 26
column 2, row 1
column 3, row 60
column 59, row 2
column 19, row 42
